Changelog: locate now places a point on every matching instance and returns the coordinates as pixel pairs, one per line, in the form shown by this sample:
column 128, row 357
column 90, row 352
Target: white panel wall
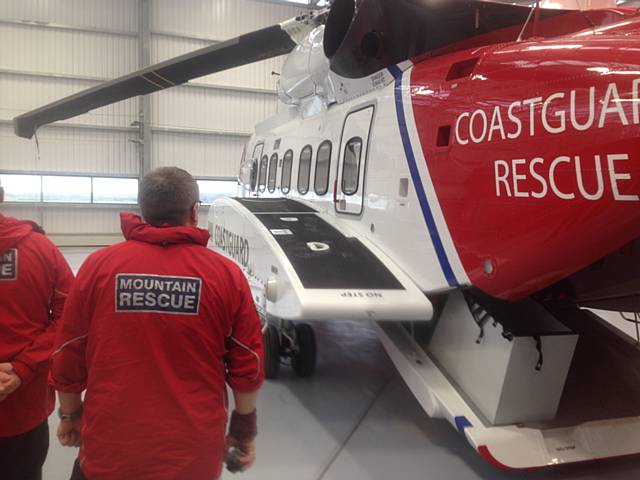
column 72, row 220
column 70, row 150
column 20, row 93
column 98, row 39
column 107, row 14
column 86, row 38
column 202, row 155
column 78, row 220
column 211, row 109
column 217, row 19
column 63, row 52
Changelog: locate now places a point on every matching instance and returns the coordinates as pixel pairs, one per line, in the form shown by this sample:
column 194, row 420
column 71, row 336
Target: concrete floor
column 356, row 420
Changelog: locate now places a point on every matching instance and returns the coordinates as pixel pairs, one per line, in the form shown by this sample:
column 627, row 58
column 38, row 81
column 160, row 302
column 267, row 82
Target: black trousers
column 77, row 473
column 22, row 456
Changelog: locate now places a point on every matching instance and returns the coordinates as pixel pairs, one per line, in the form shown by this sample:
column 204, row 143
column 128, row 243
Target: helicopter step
column 302, row 266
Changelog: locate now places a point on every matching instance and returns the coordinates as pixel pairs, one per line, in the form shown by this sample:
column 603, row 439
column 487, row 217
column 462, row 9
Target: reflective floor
column 356, row 420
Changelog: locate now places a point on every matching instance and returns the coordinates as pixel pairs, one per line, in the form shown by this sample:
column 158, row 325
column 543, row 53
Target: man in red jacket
column 154, row 329
column 34, row 281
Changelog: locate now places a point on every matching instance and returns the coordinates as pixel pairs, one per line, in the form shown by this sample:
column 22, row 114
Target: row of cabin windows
column 350, row 172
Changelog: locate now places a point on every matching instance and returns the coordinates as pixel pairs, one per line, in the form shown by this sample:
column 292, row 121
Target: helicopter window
column 351, row 167
column 254, row 175
column 273, row 170
column 257, row 150
column 287, row 163
column 262, row 179
column 304, row 171
column 323, row 164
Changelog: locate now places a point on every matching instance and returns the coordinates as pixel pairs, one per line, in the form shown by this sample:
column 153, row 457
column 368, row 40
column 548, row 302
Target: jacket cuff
column 75, row 388
column 23, row 371
column 242, row 385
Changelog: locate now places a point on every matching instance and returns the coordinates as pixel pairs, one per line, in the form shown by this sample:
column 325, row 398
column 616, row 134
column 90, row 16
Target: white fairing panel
column 267, row 256
column 511, row 447
column 504, row 393
column 305, row 72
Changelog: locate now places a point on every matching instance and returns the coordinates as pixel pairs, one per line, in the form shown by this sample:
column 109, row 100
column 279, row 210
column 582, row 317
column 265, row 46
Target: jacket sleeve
column 39, row 351
column 68, row 367
column 244, row 357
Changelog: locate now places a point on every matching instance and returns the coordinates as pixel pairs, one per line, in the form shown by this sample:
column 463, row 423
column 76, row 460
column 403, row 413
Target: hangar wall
column 51, row 49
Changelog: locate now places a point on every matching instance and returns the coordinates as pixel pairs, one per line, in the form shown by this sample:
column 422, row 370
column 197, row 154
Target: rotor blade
column 252, row 47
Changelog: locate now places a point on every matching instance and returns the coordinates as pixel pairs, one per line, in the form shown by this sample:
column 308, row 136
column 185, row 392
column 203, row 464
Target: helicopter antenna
column 533, row 10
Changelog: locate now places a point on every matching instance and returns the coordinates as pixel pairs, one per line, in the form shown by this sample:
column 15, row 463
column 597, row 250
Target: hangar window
column 273, row 170
column 351, row 167
column 323, row 165
column 115, row 190
column 38, row 188
column 211, row 190
column 22, row 188
column 304, row 170
column 287, row 163
column 262, row 180
column 65, row 189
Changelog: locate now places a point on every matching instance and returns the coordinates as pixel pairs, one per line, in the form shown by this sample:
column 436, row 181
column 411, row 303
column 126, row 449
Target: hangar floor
column 356, row 420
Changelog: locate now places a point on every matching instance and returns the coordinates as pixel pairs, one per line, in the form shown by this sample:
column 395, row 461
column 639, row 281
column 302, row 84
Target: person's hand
column 6, row 367
column 239, row 456
column 69, row 432
column 9, row 381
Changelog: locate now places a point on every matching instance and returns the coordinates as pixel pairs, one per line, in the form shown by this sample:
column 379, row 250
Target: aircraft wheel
column 271, row 338
column 304, row 362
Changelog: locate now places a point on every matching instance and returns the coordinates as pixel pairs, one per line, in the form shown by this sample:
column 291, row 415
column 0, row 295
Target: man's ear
column 194, row 214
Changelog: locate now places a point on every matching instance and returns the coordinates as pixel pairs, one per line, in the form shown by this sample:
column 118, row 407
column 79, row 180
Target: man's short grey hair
column 167, row 195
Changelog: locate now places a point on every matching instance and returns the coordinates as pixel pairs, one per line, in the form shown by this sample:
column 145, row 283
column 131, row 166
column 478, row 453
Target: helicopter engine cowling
column 363, row 37
column 305, row 73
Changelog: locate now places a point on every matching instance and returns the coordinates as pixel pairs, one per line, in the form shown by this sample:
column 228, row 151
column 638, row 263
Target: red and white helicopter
column 466, row 175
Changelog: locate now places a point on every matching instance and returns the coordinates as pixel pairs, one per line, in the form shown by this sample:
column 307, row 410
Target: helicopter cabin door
column 350, row 181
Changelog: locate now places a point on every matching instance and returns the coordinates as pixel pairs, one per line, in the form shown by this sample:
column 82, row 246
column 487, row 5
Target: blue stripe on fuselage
column 417, row 181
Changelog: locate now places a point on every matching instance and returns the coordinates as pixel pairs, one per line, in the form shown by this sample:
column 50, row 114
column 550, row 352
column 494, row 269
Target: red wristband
column 244, row 428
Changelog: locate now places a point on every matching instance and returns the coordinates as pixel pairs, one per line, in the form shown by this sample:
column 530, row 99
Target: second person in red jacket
column 154, row 329
column 34, row 282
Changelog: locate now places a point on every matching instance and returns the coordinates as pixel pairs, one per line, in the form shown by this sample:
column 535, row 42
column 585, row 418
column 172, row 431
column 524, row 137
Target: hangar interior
column 53, row 49
column 355, row 419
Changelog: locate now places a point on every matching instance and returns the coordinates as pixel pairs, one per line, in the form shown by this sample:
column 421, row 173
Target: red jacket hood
column 134, row 228
column 13, row 230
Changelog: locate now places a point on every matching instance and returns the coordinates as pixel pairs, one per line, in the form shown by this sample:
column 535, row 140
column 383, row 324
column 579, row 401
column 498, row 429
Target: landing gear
column 271, row 337
column 292, row 344
column 304, row 361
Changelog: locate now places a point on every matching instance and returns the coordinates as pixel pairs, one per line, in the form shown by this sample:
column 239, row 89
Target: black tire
column 271, row 339
column 304, row 363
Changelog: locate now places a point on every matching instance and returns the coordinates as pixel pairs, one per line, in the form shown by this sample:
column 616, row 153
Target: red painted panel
column 528, row 204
